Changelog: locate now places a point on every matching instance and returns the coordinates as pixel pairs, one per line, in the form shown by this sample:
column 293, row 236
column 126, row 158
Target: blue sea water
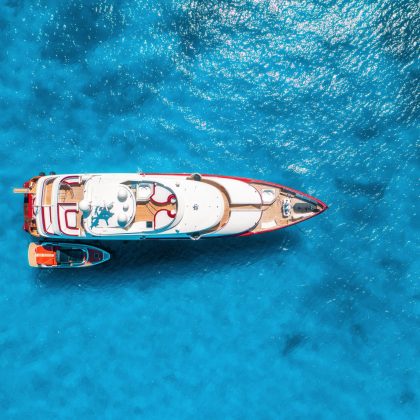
column 320, row 320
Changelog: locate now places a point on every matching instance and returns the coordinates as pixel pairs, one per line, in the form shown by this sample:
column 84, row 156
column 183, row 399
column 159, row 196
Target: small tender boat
column 137, row 206
column 61, row 255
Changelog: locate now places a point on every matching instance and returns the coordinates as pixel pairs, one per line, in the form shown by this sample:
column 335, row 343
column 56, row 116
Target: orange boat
column 61, row 255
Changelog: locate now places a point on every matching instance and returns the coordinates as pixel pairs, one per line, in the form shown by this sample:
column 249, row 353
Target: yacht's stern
column 29, row 193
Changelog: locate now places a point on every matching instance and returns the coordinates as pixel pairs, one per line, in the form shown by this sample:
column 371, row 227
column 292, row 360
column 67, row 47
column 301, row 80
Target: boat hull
column 286, row 208
column 65, row 255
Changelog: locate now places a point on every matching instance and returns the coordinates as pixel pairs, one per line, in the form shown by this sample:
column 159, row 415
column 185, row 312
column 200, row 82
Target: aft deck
column 68, row 194
column 29, row 221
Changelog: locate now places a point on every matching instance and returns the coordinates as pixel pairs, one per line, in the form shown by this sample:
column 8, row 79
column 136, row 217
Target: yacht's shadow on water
column 146, row 263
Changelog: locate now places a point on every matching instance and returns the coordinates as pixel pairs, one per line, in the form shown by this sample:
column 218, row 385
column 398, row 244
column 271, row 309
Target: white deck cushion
column 268, row 195
column 67, row 219
column 239, row 221
column 239, row 192
column 71, row 218
column 268, row 225
column 162, row 219
column 161, row 194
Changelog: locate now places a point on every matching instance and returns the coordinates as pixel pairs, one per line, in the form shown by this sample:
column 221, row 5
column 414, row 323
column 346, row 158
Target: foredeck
column 272, row 214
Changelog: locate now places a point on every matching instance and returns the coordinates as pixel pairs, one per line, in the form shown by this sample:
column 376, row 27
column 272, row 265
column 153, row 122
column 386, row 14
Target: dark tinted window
column 68, row 256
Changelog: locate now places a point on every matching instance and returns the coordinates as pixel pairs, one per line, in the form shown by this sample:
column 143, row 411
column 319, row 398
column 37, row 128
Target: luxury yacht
column 159, row 206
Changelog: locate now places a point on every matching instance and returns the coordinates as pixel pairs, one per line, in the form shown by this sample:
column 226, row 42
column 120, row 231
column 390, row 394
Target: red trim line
column 27, row 218
column 30, row 209
column 65, row 218
column 168, row 199
column 67, row 221
column 78, row 182
column 167, row 212
column 250, row 180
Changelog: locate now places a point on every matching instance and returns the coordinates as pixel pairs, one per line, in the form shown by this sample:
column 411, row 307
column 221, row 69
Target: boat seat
column 268, row 195
column 239, row 192
column 67, row 219
column 45, row 256
column 268, row 225
column 297, row 216
column 161, row 195
column 162, row 219
column 239, row 222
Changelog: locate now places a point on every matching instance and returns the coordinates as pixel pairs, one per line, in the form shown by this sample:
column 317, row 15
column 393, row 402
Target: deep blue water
column 320, row 320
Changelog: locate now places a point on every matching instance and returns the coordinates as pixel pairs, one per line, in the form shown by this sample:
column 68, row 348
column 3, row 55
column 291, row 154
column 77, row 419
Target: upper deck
column 123, row 205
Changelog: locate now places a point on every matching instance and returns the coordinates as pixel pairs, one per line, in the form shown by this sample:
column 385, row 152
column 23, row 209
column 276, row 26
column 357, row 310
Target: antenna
column 21, row 190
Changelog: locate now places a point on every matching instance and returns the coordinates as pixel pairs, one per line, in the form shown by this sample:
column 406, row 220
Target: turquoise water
column 320, row 320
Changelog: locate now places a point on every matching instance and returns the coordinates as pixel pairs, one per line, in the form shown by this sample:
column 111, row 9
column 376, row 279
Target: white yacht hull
column 159, row 206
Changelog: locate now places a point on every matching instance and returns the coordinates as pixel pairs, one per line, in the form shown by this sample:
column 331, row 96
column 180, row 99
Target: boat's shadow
column 146, row 263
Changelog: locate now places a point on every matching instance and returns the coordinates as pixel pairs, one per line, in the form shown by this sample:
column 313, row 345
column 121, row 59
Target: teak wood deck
column 70, row 194
column 146, row 211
